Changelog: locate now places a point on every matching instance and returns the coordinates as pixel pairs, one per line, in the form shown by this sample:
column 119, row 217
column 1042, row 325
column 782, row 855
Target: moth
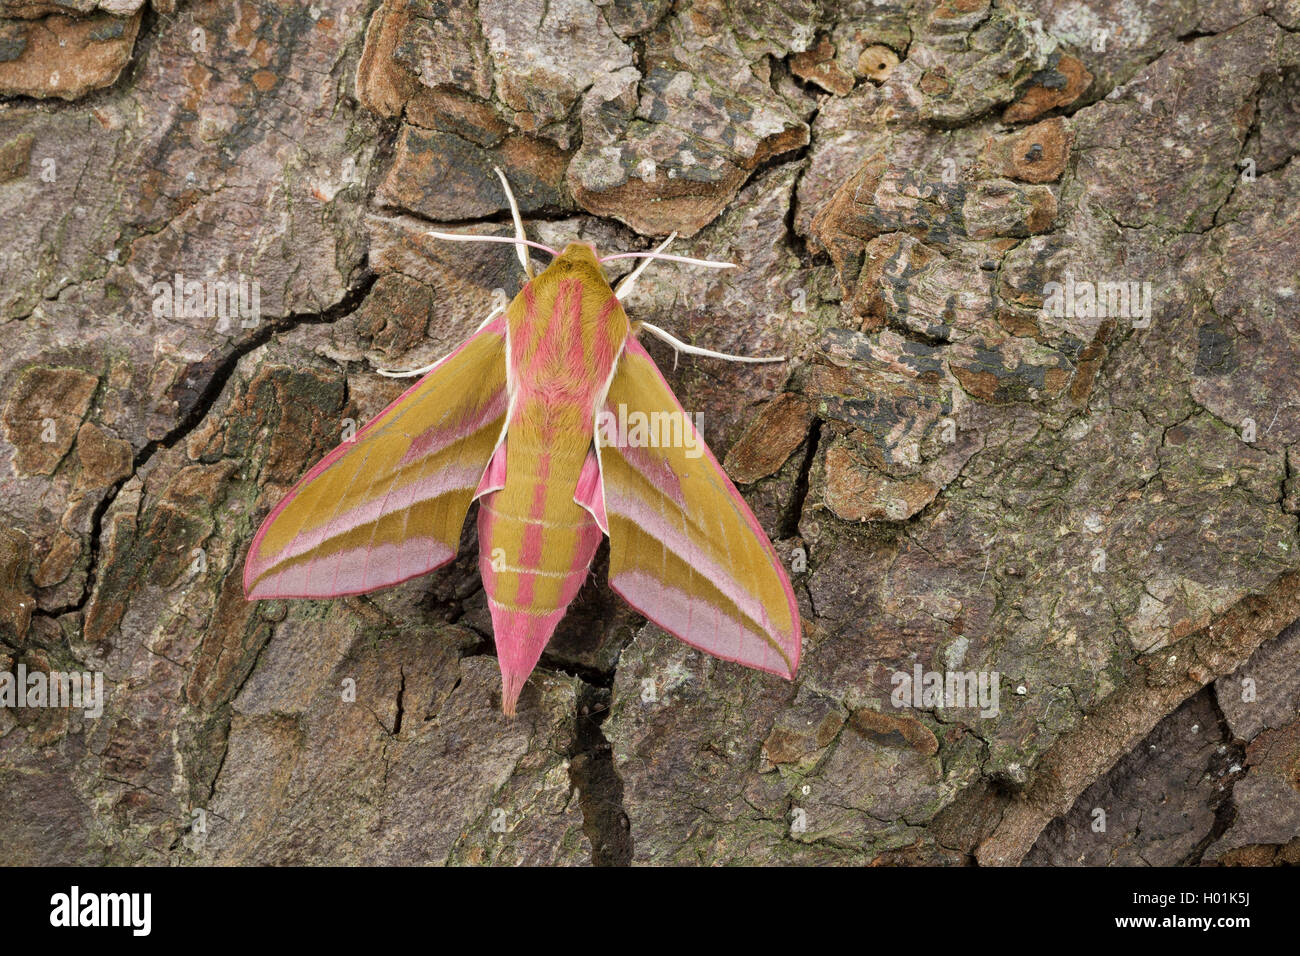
column 529, row 417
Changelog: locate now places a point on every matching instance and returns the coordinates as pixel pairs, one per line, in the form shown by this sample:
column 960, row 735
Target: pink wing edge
column 591, row 495
column 497, row 325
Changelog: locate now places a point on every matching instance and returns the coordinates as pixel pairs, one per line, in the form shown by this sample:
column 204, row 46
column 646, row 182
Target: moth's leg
column 682, row 348
column 520, row 248
column 412, row 372
column 625, row 287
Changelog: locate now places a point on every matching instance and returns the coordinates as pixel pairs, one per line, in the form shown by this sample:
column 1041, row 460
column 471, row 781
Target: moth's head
column 578, row 252
column 578, row 261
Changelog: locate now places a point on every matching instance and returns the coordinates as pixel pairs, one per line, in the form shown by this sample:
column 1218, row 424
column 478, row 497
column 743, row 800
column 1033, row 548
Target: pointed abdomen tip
column 512, row 686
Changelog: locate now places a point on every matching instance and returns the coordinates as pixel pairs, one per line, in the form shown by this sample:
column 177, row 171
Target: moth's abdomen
column 536, row 546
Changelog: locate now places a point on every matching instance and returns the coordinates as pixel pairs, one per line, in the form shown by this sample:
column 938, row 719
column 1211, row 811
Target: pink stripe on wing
column 654, row 468
column 636, row 351
column 676, row 540
column 350, row 573
column 439, row 436
column 683, row 615
column 253, row 564
column 444, row 480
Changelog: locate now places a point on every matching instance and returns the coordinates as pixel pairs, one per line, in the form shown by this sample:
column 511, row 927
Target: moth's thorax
column 567, row 328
